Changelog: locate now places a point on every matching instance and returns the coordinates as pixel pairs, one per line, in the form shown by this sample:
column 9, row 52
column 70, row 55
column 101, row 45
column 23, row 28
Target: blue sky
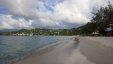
column 17, row 14
column 3, row 10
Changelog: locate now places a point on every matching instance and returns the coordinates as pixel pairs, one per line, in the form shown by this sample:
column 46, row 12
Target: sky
column 53, row 14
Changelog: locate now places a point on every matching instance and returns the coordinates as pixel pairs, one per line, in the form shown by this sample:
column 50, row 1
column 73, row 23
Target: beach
column 97, row 49
column 89, row 50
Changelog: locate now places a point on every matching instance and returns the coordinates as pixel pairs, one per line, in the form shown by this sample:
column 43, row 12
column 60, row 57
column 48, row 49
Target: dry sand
column 97, row 49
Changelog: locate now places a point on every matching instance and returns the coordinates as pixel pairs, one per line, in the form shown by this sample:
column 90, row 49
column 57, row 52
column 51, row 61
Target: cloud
column 22, row 8
column 8, row 22
column 48, row 13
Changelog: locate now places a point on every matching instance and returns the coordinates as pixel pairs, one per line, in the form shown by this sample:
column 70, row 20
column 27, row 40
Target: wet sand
column 88, row 51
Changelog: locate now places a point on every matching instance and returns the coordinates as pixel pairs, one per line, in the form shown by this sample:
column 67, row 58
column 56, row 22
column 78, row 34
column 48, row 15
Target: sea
column 13, row 48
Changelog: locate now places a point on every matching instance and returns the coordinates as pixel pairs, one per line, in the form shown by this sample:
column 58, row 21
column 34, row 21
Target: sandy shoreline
column 87, row 51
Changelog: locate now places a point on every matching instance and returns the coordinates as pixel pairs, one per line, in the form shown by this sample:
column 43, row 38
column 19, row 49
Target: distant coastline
column 30, row 32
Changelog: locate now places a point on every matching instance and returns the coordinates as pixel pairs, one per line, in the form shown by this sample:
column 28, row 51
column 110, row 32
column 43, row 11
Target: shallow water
column 14, row 47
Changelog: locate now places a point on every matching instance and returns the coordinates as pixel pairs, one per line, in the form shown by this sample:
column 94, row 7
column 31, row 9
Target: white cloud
column 23, row 8
column 42, row 13
column 8, row 22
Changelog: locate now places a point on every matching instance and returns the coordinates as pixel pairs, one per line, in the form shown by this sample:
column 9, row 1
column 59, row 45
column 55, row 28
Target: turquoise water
column 15, row 47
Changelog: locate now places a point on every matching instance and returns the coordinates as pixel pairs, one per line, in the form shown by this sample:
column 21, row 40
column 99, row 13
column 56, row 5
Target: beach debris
column 76, row 40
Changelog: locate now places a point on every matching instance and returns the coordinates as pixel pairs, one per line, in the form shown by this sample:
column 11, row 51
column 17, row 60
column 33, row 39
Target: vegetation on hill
column 39, row 31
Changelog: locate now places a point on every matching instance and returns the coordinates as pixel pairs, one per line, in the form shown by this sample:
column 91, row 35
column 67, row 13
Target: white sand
column 97, row 49
column 108, row 41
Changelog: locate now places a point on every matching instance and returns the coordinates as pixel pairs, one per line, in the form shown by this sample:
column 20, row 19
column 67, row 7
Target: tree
column 102, row 18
